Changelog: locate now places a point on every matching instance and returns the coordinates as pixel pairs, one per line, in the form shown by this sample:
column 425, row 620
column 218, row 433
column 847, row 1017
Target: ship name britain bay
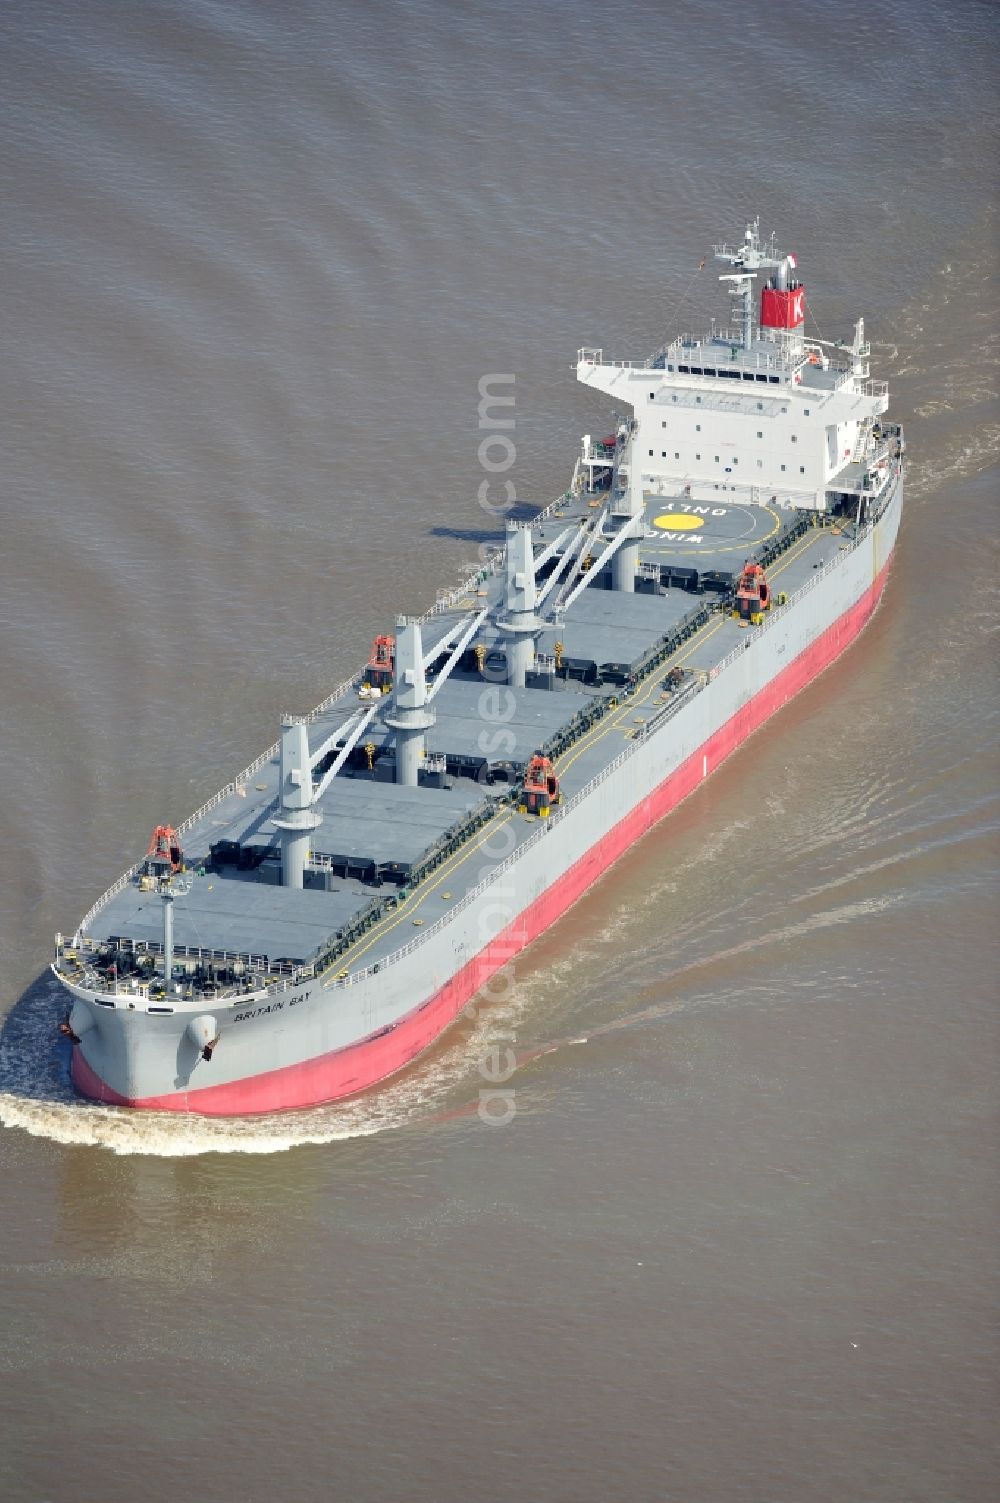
column 322, row 919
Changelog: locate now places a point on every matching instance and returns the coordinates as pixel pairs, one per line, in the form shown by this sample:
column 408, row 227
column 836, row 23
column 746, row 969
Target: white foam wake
column 37, row 1097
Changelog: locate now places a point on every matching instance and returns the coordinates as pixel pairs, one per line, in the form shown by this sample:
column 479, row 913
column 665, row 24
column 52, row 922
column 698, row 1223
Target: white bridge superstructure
column 754, row 413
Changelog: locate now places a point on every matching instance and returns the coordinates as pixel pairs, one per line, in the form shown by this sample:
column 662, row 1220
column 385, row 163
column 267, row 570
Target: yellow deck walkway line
column 410, row 904
column 811, row 537
column 615, row 721
column 682, row 654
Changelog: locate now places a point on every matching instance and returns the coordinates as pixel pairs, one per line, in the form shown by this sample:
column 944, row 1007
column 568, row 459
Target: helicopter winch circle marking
column 703, row 528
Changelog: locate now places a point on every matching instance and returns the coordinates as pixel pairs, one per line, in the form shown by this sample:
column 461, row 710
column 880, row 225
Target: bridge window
column 748, row 375
column 773, row 380
column 685, row 370
column 708, row 372
column 760, row 377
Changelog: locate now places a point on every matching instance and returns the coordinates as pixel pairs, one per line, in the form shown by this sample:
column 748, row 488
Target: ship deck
column 690, row 556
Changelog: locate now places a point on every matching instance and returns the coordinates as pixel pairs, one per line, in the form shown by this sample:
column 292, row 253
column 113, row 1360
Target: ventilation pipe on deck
column 410, row 717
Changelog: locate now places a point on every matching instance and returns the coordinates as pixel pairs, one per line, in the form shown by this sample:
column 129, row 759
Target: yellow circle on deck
column 679, row 522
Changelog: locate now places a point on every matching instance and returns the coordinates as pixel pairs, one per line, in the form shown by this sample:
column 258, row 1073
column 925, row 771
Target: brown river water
column 738, row 1240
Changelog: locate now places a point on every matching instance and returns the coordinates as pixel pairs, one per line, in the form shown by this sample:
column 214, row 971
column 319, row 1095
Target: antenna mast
column 747, row 259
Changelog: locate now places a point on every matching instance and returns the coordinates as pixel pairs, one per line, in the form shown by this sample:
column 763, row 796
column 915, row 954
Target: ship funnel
column 783, row 297
column 783, row 307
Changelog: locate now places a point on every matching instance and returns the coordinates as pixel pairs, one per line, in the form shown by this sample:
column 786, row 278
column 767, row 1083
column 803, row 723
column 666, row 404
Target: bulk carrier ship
column 323, row 918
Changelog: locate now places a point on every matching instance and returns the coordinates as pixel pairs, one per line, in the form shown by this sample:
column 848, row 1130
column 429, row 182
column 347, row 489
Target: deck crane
column 164, row 851
column 753, row 594
column 297, row 817
column 531, row 604
column 381, row 662
column 410, row 715
column 540, row 789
